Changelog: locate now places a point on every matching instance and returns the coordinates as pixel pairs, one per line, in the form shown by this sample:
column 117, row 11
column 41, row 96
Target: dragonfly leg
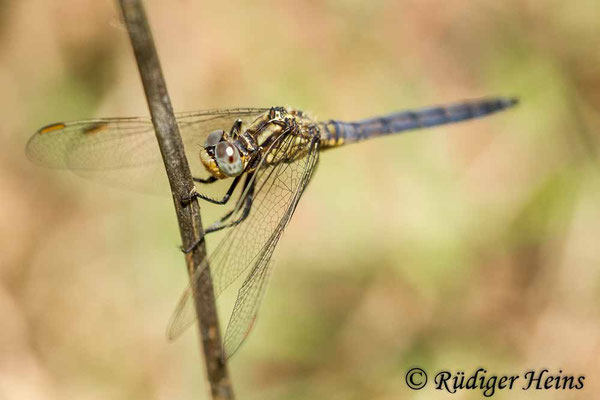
column 193, row 246
column 217, row 226
column 224, row 200
column 207, row 180
column 245, row 212
column 236, row 128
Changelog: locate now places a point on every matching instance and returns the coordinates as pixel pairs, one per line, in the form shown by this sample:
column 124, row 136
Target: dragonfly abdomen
column 335, row 133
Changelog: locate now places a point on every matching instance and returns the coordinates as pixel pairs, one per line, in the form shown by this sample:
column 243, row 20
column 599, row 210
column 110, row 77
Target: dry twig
column 180, row 179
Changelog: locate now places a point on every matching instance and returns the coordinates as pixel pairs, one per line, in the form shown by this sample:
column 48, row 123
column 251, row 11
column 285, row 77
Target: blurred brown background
column 458, row 247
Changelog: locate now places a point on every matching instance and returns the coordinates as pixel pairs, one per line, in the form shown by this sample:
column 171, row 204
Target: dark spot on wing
column 53, row 127
column 94, row 128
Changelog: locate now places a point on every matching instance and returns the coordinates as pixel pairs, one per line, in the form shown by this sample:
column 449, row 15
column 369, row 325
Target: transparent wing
column 250, row 244
column 124, row 151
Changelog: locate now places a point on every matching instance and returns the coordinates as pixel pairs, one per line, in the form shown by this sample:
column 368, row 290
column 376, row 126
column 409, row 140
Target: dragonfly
column 269, row 154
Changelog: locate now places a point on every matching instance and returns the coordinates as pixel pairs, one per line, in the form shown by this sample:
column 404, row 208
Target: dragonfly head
column 221, row 156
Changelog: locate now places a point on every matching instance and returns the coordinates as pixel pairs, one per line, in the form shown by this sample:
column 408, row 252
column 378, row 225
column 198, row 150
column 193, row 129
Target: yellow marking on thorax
column 54, row 127
column 267, row 132
column 271, row 130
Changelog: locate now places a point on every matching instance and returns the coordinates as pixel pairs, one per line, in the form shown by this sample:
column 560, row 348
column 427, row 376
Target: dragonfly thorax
column 228, row 154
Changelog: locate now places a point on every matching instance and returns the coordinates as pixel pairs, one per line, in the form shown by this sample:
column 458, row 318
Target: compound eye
column 228, row 158
column 214, row 137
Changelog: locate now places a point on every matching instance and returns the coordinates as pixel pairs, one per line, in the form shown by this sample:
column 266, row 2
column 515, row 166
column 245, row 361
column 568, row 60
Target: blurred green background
column 458, row 247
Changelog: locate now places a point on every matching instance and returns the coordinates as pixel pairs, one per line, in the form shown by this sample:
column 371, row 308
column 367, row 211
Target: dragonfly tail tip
column 510, row 101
